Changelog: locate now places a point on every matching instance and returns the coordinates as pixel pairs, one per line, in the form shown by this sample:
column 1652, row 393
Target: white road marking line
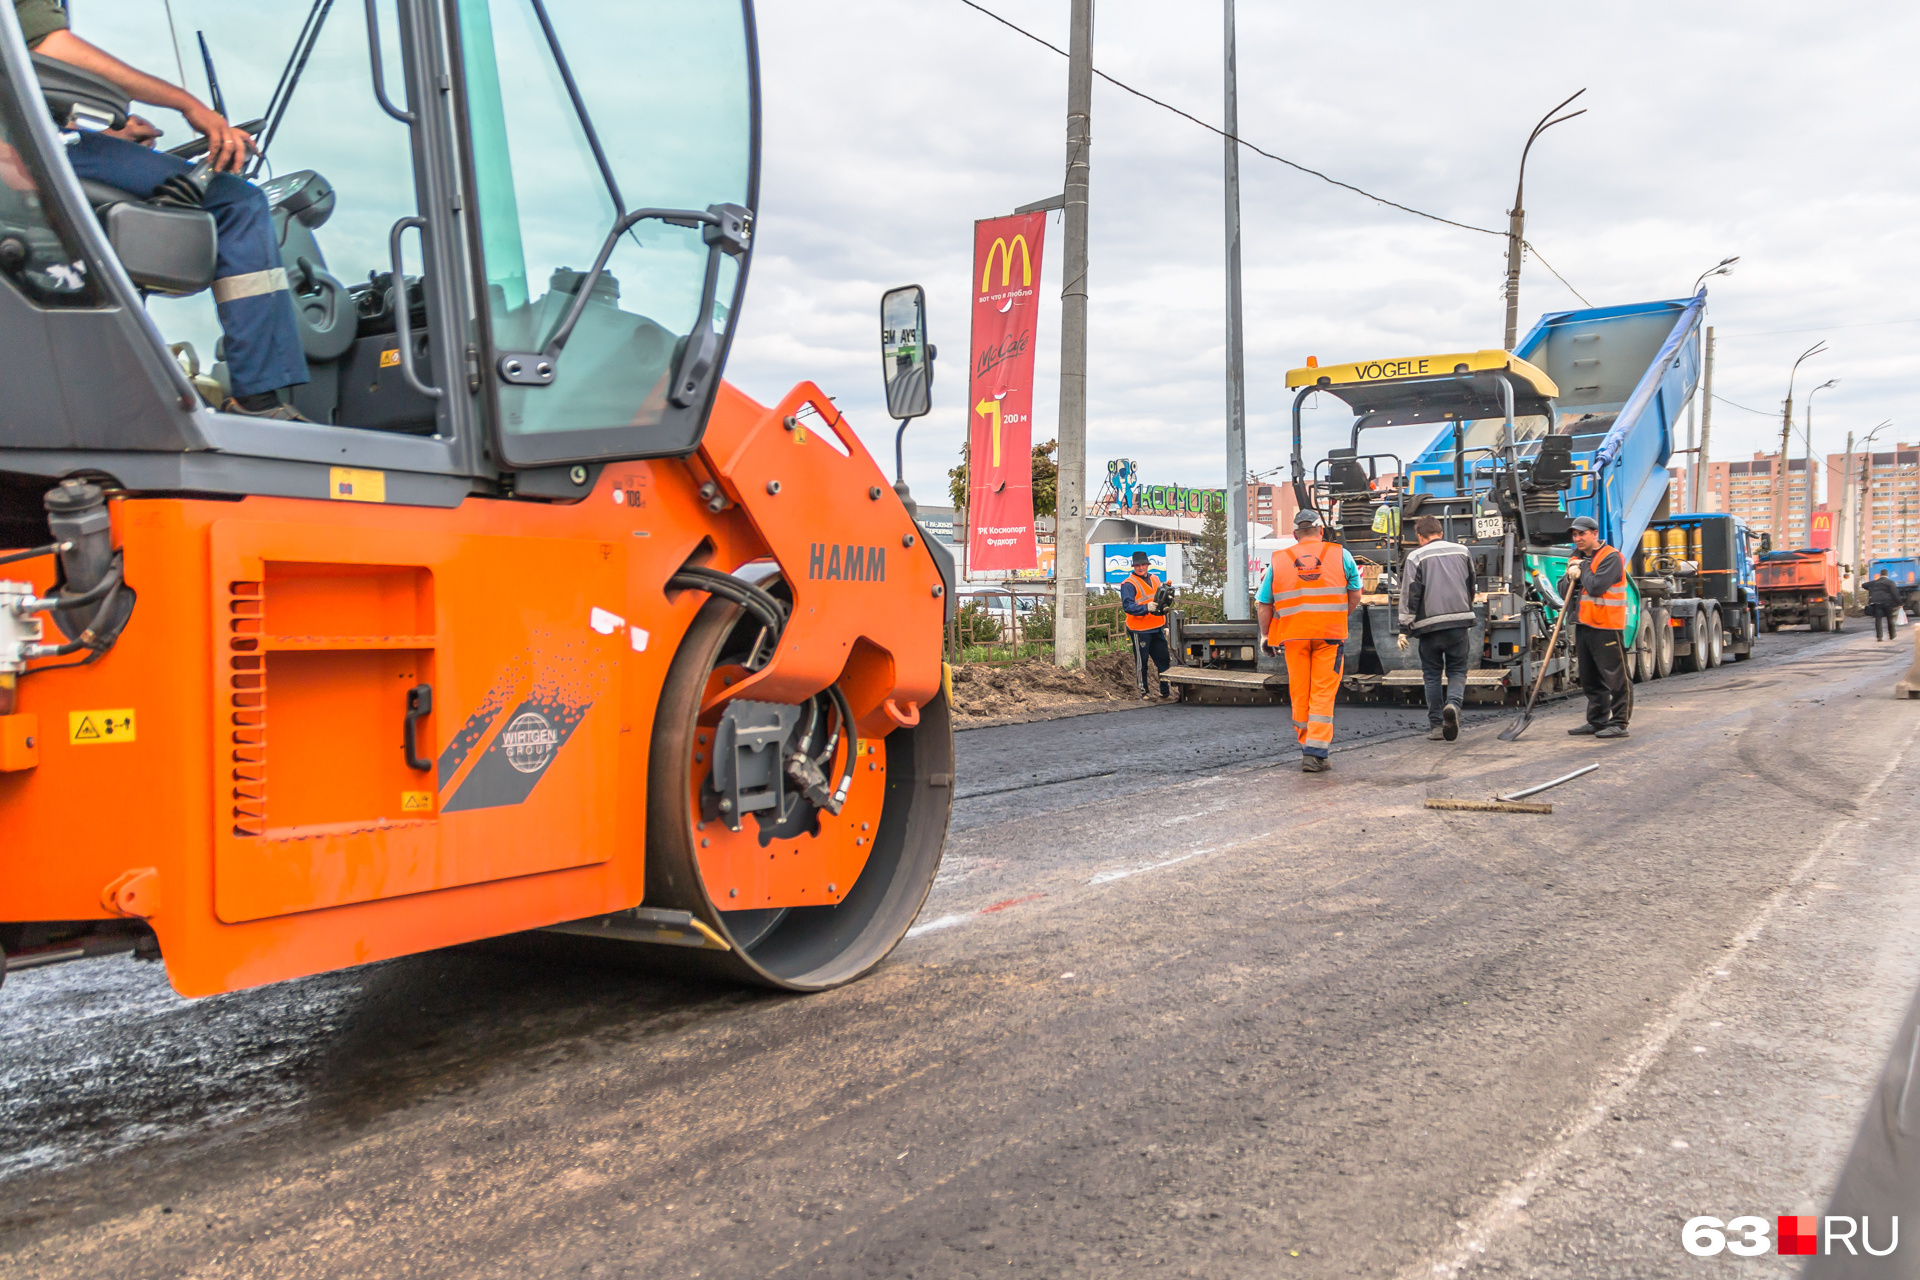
column 1504, row 1211
column 1108, row 877
column 944, row 922
column 1103, row 877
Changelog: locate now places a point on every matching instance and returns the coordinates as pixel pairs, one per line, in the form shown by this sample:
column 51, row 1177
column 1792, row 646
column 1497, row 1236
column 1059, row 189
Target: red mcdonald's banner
column 1006, row 313
column 1822, row 528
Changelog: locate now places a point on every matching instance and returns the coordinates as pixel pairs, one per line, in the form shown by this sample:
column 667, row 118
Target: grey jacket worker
column 1436, row 588
column 1436, row 605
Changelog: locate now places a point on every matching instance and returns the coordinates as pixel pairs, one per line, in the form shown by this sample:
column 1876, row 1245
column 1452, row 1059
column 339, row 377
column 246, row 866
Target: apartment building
column 1745, row 489
column 1886, row 501
column 1270, row 509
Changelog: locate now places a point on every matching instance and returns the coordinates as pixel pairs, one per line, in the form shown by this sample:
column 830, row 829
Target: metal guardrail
column 991, row 627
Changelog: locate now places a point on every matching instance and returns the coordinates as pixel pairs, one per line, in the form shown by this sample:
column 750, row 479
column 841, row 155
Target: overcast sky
column 1712, row 130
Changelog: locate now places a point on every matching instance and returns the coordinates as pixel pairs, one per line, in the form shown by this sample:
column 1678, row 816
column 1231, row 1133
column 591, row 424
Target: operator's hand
column 227, row 147
column 138, row 130
column 1402, row 640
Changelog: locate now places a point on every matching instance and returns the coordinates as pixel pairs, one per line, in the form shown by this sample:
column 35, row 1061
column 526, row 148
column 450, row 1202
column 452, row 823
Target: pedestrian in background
column 1600, row 574
column 1303, row 604
column 1146, row 623
column 1436, row 607
column 1882, row 599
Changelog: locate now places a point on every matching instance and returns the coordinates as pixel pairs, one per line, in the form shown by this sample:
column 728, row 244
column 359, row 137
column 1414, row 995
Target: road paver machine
column 537, row 622
column 1580, row 421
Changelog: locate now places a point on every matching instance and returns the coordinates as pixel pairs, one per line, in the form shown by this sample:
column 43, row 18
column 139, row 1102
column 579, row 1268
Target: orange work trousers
column 1314, row 668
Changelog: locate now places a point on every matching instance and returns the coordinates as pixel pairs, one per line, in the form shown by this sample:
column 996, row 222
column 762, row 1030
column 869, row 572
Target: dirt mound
column 1038, row 690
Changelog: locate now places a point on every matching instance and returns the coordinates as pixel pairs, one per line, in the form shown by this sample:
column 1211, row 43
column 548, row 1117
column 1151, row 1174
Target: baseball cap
column 1305, row 518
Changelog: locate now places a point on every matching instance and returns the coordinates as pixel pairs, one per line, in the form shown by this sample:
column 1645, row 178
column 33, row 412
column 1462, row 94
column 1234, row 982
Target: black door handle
column 419, row 706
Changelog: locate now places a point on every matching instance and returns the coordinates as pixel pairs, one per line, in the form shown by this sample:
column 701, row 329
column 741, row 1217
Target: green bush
column 976, row 625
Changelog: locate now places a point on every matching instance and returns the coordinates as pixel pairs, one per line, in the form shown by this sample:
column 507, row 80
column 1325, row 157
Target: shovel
column 1519, row 726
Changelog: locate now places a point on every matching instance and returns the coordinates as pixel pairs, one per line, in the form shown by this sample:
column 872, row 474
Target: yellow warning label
column 390, row 359
column 100, row 728
column 345, row 484
column 416, row 802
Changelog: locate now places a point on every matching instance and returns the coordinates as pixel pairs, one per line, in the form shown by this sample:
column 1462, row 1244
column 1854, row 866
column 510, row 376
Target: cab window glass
column 333, row 137
column 665, row 84
column 40, row 258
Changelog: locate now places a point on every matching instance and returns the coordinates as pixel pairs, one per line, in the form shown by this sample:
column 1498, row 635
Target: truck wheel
column 1836, row 617
column 1662, row 644
column 793, row 948
column 1716, row 638
column 1743, row 636
column 1640, row 657
column 1816, row 619
column 1695, row 659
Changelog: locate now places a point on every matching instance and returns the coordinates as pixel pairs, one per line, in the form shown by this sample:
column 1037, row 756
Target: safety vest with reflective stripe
column 1609, row 612
column 1145, row 588
column 1309, row 593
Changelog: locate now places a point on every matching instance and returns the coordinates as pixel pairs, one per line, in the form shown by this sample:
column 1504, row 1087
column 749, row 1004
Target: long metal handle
column 379, row 69
column 419, row 706
column 403, row 308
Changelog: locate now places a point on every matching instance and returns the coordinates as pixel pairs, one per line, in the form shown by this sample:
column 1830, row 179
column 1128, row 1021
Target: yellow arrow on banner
column 991, row 408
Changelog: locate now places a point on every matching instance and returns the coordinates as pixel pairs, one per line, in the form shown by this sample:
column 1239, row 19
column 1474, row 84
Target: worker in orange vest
column 1303, row 604
column 1598, row 628
column 1146, row 624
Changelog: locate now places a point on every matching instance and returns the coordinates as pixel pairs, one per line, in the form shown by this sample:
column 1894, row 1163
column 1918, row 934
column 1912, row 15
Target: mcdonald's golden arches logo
column 1005, row 250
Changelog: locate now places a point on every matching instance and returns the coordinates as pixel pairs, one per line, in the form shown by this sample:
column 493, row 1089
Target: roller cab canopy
column 1431, row 388
column 516, row 236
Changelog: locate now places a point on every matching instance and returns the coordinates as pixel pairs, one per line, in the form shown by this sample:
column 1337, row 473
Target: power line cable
column 1767, row 333
column 1119, row 84
column 1765, row 413
column 1556, row 275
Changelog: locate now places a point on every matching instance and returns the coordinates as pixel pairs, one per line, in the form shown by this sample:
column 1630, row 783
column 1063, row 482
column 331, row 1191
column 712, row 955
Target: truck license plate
column 1488, row 526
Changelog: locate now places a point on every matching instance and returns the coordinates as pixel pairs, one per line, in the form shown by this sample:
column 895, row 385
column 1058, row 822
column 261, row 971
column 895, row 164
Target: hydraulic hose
column 51, row 548
column 110, row 583
column 853, row 744
column 754, row 599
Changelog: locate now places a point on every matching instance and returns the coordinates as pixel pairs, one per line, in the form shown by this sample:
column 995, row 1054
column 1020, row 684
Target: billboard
column 1006, row 314
column 1117, row 560
column 1822, row 528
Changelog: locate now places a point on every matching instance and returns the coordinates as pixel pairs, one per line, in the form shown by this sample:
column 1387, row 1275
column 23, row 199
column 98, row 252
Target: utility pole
column 1517, row 222
column 1844, row 541
column 1236, row 602
column 1778, row 489
column 1706, row 425
column 1070, row 525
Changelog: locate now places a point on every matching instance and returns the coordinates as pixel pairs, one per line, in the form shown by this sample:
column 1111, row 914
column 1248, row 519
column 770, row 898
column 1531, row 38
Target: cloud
column 1712, row 130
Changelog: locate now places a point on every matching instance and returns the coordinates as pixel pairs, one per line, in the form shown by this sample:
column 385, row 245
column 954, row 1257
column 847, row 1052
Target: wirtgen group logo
column 1749, row 1236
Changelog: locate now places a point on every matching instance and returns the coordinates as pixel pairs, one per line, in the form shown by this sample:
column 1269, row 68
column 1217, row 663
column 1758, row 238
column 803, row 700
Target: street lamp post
column 1724, row 267
column 1830, row 382
column 1697, row 467
column 1517, row 220
column 1779, row 486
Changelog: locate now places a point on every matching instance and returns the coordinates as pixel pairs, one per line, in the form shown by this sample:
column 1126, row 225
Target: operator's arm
column 1413, row 591
column 1594, row 583
column 1130, row 600
column 227, row 146
column 1263, row 604
column 1353, row 579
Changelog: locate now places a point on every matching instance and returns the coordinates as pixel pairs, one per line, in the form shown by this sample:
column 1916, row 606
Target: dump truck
column 1800, row 588
column 1695, row 571
column 535, row 622
column 1578, row 421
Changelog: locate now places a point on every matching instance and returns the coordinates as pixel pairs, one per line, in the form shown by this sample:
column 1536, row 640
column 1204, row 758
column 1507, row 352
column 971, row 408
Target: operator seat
column 163, row 249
